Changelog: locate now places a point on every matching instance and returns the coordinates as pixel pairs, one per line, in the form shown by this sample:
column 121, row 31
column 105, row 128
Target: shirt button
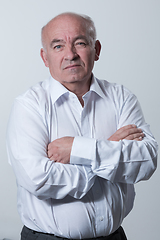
column 101, row 219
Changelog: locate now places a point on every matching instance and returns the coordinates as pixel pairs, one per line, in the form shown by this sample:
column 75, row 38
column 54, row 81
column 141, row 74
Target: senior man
column 77, row 144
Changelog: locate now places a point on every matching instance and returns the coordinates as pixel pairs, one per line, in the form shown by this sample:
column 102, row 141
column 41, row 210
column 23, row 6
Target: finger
column 51, row 158
column 135, row 136
column 49, row 145
column 134, row 130
column 129, row 133
column 127, row 127
column 132, row 133
column 49, row 154
column 122, row 131
column 138, row 139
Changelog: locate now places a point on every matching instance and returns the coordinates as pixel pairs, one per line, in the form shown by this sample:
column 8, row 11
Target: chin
column 73, row 79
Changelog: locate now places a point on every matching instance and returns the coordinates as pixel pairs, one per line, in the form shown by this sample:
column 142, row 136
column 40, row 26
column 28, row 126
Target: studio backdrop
column 129, row 31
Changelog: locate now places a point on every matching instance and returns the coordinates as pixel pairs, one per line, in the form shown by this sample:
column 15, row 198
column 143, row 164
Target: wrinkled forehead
column 65, row 25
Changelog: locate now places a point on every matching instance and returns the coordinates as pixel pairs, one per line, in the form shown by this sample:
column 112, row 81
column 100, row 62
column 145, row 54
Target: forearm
column 52, row 180
column 120, row 159
column 126, row 161
column 27, row 141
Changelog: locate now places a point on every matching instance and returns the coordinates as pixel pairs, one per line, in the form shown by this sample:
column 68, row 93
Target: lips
column 72, row 66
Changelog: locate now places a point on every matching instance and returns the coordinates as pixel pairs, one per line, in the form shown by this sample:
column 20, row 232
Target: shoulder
column 36, row 94
column 35, row 99
column 110, row 87
column 114, row 90
column 117, row 94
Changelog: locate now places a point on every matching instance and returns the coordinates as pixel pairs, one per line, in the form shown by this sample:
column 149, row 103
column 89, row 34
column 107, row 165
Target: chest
column 98, row 119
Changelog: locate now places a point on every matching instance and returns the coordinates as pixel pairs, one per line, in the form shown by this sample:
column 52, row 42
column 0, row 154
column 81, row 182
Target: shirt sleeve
column 27, row 140
column 123, row 161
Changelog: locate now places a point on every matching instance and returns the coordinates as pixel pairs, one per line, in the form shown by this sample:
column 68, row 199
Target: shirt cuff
column 83, row 151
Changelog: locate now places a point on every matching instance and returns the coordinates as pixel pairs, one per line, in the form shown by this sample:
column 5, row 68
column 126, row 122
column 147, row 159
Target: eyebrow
column 55, row 40
column 81, row 37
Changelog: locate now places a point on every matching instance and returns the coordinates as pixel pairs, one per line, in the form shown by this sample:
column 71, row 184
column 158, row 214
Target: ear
column 97, row 50
column 44, row 57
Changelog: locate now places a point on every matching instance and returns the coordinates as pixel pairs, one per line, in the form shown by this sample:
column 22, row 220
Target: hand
column 129, row 132
column 60, row 149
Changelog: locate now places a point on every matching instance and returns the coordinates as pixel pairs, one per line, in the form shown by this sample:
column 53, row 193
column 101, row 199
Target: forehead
column 66, row 27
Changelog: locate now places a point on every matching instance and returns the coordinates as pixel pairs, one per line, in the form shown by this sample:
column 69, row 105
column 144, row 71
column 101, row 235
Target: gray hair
column 89, row 26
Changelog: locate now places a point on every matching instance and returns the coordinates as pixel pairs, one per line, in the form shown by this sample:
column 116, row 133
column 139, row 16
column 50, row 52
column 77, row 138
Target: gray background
column 129, row 31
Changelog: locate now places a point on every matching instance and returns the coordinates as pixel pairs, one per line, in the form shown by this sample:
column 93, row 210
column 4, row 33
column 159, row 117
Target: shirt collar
column 57, row 89
column 95, row 87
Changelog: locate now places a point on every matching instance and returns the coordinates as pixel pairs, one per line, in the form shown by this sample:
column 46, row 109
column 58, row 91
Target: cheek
column 54, row 63
column 90, row 62
column 89, row 58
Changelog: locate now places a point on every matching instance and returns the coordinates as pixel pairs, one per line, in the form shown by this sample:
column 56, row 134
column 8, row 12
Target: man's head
column 70, row 48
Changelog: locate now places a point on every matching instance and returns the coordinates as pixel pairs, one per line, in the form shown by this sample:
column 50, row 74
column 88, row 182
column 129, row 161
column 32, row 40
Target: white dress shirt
column 90, row 196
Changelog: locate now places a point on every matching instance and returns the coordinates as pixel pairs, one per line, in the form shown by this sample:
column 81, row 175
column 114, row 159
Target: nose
column 70, row 53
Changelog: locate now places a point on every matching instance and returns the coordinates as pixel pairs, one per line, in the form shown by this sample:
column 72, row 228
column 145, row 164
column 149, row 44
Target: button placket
column 99, row 208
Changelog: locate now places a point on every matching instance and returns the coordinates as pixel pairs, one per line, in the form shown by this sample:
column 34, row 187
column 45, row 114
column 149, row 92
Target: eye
column 57, row 47
column 81, row 44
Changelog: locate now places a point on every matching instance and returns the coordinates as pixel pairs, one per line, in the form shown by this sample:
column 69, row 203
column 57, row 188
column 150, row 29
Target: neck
column 79, row 89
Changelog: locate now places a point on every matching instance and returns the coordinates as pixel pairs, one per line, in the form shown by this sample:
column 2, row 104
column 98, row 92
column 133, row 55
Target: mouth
column 72, row 66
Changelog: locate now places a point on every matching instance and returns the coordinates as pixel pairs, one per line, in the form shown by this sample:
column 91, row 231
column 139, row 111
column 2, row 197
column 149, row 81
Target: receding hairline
column 88, row 21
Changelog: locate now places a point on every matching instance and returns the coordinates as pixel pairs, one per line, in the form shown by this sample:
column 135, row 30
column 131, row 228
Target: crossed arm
column 60, row 149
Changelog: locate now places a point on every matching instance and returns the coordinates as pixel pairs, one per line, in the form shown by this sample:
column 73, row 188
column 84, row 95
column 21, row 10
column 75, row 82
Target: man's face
column 68, row 51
